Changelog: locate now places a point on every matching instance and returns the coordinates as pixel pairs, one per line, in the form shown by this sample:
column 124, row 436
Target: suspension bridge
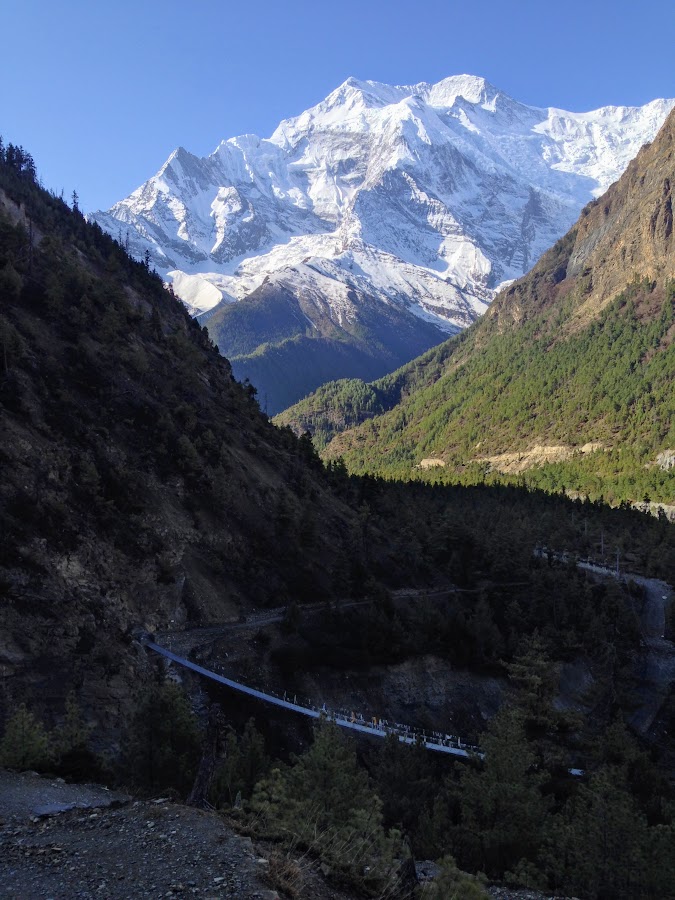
column 441, row 743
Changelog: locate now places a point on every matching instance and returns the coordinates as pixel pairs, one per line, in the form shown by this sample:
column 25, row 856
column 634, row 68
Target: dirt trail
column 65, row 841
column 658, row 669
column 656, row 672
column 24, row 796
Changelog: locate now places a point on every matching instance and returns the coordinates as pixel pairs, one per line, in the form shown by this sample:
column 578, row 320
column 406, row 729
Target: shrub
column 325, row 804
column 25, row 743
column 453, row 884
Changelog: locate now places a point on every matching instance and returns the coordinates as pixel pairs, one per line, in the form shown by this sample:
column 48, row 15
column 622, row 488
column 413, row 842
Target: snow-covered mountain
column 427, row 193
column 425, row 197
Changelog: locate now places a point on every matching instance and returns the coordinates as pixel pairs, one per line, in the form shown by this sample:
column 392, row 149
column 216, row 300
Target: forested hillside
column 288, row 342
column 142, row 488
column 568, row 380
column 141, row 484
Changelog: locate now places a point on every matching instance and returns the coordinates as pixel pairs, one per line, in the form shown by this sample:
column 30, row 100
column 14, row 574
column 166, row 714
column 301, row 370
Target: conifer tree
column 10, row 283
column 70, row 742
column 325, row 802
column 163, row 742
column 596, row 846
column 404, row 779
column 244, row 764
column 502, row 810
column 25, row 743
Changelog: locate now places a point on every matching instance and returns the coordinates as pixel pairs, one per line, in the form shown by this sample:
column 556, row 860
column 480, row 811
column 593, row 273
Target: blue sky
column 100, row 93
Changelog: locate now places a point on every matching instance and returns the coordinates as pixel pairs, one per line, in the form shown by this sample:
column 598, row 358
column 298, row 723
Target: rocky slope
column 94, row 841
column 406, row 202
column 140, row 482
column 154, row 848
column 576, row 358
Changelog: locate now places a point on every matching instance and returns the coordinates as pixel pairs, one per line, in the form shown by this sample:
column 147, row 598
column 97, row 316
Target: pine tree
column 25, row 743
column 328, row 781
column 244, row 764
column 502, row 810
column 162, row 746
column 72, row 754
column 73, row 732
column 404, row 779
column 535, row 676
column 326, row 803
column 11, row 283
column 596, row 846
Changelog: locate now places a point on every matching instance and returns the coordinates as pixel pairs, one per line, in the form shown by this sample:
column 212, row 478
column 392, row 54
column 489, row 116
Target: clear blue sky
column 100, row 93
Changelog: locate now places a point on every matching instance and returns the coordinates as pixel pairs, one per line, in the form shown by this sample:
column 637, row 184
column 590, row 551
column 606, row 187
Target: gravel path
column 107, row 847
column 27, row 795
column 656, row 671
column 63, row 841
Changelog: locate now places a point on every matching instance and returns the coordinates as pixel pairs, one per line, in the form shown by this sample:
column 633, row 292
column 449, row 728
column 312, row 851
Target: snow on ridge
column 471, row 88
column 424, row 195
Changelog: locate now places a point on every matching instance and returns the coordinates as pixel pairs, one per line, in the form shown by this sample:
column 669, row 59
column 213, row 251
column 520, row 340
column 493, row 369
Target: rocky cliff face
column 626, row 234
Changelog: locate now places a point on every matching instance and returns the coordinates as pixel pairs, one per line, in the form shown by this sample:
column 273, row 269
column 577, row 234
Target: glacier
column 426, row 196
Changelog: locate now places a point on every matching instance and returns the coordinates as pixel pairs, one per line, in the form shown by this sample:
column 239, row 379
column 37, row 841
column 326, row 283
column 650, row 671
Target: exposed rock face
column 431, row 463
column 666, row 459
column 628, row 233
column 624, row 235
column 537, row 456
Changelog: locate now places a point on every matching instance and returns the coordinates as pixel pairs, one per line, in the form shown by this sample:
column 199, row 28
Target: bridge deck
column 458, row 748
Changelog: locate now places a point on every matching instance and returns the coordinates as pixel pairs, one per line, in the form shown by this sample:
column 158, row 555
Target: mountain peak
column 180, row 160
column 369, row 93
column 385, row 188
column 472, row 88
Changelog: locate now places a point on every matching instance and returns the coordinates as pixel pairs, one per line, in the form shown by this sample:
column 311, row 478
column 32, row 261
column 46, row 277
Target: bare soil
column 63, row 841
